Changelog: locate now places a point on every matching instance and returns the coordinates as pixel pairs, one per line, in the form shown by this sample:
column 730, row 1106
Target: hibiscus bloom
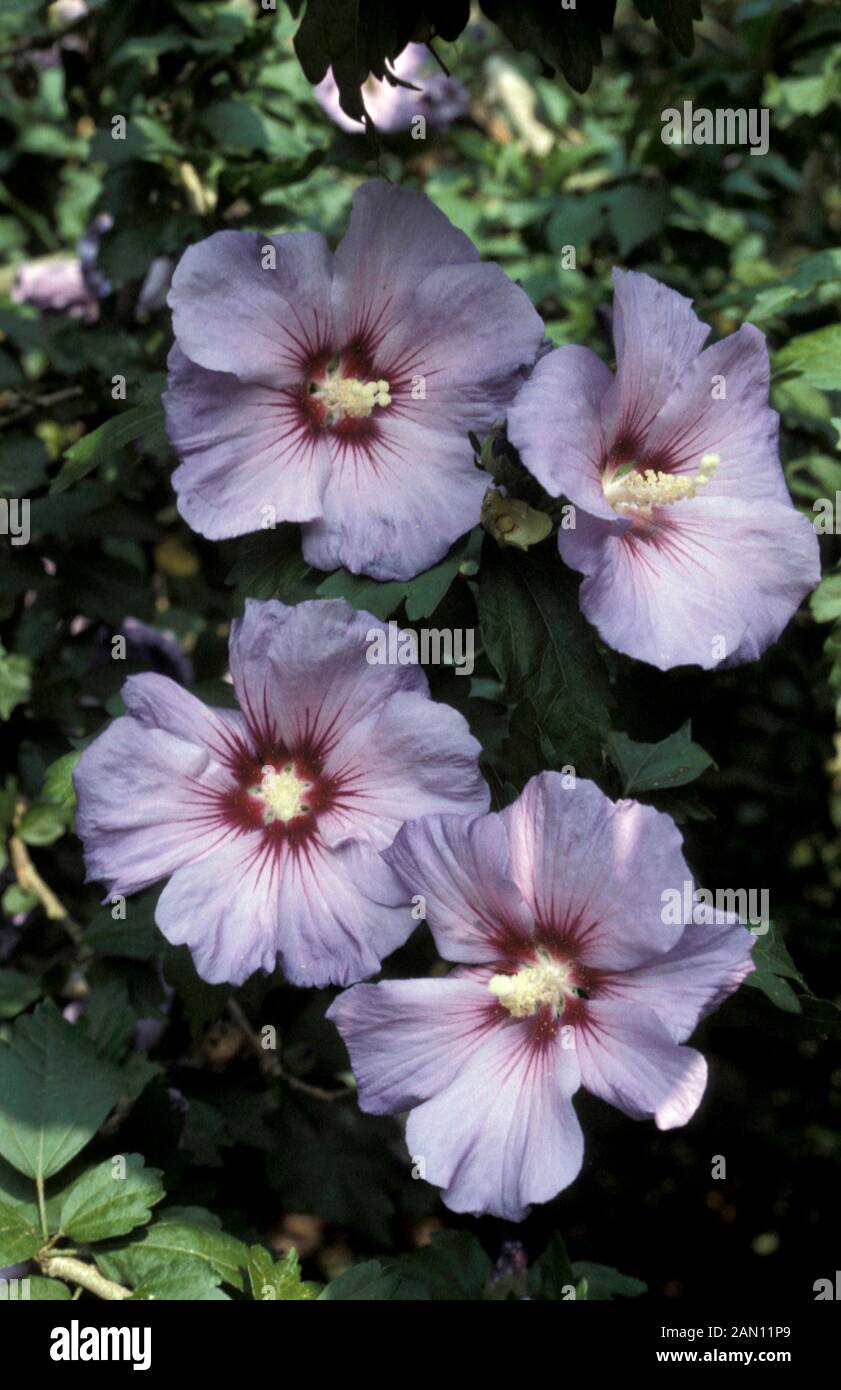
column 268, row 820
column 440, row 99
column 692, row 550
column 339, row 390
column 570, row 976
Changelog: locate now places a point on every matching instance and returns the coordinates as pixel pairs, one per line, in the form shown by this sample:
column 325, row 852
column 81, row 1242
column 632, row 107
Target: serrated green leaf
column 673, row 762
column 15, row 681
column 18, row 1238
column 278, row 1279
column 100, row 1206
column 166, row 1240
column 605, row 1283
column 54, row 1093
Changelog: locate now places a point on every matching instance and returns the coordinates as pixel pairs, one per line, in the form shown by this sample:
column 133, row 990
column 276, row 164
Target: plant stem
column 42, row 1206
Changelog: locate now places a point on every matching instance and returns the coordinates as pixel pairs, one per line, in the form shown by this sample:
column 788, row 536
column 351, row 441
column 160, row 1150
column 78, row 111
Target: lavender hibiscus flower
column 571, row 977
column 440, row 99
column 685, row 530
column 268, row 821
column 338, row 390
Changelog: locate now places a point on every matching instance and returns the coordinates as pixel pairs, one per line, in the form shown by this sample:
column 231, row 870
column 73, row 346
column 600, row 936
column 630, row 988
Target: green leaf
column 280, row 1279
column 551, row 1276
column 673, row 762
column 17, row 992
column 202, row 1250
column 452, row 1267
column 18, row 1239
column 369, row 1282
column 15, row 681
column 54, row 1093
column 99, row 1205
column 604, row 1283
column 34, row 1289
column 421, row 595
column 825, row 602
column 774, row 969
column 812, row 272
column 42, row 823
column 102, row 444
column 544, row 653
column 816, row 357
column 180, row 1280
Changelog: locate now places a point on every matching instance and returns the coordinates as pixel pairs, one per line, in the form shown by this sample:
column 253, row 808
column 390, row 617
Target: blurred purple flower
column 440, row 99
column 571, row 977
column 268, row 822
column 339, row 391
column 66, row 284
column 693, row 551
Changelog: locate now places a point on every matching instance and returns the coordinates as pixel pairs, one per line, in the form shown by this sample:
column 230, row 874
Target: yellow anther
column 533, row 987
column 347, row 396
column 283, row 793
column 634, row 490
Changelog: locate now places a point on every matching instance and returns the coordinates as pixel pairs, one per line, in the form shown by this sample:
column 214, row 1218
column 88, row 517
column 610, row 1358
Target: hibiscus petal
column 395, row 237
column 160, row 703
column 708, row 963
column 342, row 910
column 393, row 508
column 301, row 673
column 629, row 1058
column 226, row 908
column 504, row 1133
column 408, row 1039
column 459, row 865
column 593, row 871
column 657, row 335
column 410, row 758
column 740, row 427
column 246, row 459
column 714, row 578
column 146, row 802
column 232, row 315
column 555, row 425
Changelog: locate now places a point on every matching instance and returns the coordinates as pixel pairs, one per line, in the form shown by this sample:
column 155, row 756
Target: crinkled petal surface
column 555, row 423
column 143, row 791
column 305, row 666
column 233, row 312
column 629, row 1058
column 409, row 1039
column 460, row 867
column 657, row 336
column 593, row 870
column 412, row 757
column 504, row 1133
column 244, row 458
column 710, row 578
column 686, row 983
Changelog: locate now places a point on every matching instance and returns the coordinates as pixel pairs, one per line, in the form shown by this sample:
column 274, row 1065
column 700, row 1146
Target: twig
column 271, row 1064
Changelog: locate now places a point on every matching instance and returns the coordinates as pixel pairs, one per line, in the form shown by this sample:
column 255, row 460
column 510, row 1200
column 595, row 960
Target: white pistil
column 632, row 490
column 531, row 988
column 348, row 397
column 283, row 794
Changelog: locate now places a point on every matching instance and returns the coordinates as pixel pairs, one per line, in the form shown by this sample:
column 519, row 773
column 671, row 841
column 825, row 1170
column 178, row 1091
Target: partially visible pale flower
column 692, row 550
column 570, row 977
column 69, row 285
column 440, row 99
column 268, row 820
column 339, row 390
